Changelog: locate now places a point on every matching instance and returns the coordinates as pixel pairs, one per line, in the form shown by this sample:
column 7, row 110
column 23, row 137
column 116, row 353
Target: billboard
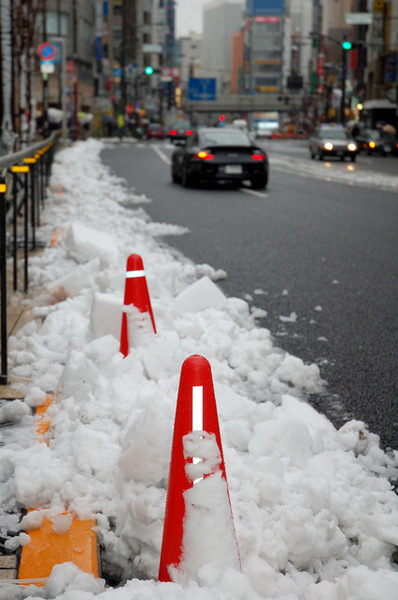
column 265, row 7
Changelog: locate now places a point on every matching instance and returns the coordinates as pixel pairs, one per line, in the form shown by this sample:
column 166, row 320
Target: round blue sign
column 46, row 51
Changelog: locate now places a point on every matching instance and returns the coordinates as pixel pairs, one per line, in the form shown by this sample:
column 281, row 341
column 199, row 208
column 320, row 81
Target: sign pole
column 61, row 42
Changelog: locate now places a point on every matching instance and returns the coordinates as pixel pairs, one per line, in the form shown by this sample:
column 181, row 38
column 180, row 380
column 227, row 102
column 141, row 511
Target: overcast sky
column 189, row 16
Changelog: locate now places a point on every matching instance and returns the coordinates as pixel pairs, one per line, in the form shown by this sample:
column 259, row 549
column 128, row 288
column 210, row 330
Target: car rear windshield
column 334, row 134
column 226, row 138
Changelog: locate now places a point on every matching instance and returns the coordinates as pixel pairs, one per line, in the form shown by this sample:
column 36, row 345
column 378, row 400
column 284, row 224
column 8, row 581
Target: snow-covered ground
column 315, row 515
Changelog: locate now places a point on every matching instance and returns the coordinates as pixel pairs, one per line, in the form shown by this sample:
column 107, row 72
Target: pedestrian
column 120, row 125
column 355, row 131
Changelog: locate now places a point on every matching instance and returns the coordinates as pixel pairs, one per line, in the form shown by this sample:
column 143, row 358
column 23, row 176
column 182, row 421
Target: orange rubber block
column 55, row 236
column 43, row 423
column 47, row 549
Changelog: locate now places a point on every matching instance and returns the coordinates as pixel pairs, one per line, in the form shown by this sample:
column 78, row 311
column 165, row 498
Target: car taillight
column 189, row 132
column 203, row 155
column 173, row 132
column 372, row 145
column 257, row 156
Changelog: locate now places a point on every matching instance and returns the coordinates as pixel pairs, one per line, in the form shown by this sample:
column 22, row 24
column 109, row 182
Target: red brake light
column 189, row 132
column 257, row 156
column 203, row 155
column 173, row 132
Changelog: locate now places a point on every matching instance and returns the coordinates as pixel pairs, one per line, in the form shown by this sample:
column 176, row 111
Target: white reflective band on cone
column 197, row 408
column 132, row 274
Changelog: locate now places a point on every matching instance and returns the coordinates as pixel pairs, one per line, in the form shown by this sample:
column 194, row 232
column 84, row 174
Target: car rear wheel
column 187, row 180
column 175, row 177
column 259, row 183
column 319, row 155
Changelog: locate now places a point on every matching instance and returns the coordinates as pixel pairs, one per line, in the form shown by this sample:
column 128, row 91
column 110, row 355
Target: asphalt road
column 327, row 252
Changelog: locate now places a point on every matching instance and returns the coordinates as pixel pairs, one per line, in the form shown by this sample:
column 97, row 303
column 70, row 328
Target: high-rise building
column 221, row 18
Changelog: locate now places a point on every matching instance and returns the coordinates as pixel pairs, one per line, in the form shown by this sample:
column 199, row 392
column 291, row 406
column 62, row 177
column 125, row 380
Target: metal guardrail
column 23, row 181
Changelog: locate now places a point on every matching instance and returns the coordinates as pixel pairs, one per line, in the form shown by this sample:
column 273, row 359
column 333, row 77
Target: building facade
column 221, row 18
column 267, row 46
column 74, row 23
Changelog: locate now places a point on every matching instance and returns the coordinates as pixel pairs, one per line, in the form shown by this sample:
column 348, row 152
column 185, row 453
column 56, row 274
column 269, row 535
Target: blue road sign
column 58, row 52
column 202, row 88
column 265, row 7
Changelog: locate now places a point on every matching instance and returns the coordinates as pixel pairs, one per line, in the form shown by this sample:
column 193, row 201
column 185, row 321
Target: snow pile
column 314, row 513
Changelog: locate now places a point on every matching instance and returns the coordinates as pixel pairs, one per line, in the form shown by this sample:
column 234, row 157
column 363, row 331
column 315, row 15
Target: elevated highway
column 244, row 103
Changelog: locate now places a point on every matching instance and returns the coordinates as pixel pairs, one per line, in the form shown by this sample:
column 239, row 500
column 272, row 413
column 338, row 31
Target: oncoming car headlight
column 328, row 146
column 352, row 147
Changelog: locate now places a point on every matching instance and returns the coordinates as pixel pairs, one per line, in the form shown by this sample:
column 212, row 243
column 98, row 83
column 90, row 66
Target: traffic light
column 221, row 118
column 148, row 70
column 346, row 45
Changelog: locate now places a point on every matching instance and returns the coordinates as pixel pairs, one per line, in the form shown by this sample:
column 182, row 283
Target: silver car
column 332, row 141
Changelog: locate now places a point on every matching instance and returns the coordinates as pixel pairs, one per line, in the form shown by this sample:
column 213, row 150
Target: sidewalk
column 19, row 313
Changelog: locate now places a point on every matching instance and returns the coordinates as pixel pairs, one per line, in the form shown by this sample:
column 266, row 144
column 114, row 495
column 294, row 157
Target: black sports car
column 219, row 154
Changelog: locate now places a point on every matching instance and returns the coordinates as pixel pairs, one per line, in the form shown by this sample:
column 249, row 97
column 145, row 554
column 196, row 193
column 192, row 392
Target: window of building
column 86, row 31
column 266, row 28
column 266, row 80
column 267, row 54
column 56, row 23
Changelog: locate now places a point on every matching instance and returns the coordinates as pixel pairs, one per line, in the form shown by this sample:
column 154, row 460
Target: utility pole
column 110, row 52
column 45, row 76
column 128, row 54
column 76, row 83
column 345, row 47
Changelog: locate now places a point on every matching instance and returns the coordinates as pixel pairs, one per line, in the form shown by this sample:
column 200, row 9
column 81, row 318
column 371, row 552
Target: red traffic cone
column 135, row 293
column 196, row 473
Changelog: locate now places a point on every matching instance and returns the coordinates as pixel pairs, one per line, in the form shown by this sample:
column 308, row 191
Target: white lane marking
column 197, row 408
column 162, row 155
column 133, row 274
column 254, row 193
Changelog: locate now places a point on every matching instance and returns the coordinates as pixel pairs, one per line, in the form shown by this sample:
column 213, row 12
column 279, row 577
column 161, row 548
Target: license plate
column 387, row 149
column 233, row 169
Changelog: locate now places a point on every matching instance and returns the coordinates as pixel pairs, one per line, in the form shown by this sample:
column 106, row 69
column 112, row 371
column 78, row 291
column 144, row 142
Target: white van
column 240, row 124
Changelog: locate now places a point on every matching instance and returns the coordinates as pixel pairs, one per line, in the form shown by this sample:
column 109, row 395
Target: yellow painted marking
column 30, row 161
column 20, row 169
column 3, row 188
